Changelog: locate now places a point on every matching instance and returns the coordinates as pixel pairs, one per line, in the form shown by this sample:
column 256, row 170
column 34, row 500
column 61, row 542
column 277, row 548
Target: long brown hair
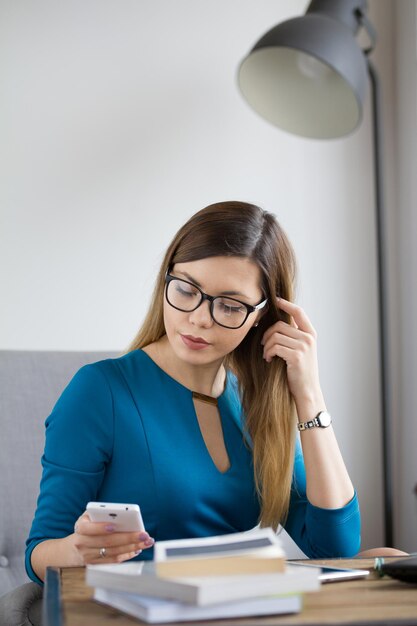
column 244, row 230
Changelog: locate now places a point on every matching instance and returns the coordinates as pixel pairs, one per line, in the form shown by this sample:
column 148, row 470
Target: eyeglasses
column 225, row 311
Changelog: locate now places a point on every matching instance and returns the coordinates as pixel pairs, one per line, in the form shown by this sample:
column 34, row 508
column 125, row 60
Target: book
column 141, row 578
column 222, row 566
column 238, row 553
column 153, row 610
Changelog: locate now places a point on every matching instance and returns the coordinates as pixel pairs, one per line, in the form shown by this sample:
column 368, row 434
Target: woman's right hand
column 98, row 542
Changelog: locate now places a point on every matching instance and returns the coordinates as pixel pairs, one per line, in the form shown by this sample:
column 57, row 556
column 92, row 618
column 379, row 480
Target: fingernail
column 110, row 528
column 149, row 542
column 138, row 552
column 143, row 536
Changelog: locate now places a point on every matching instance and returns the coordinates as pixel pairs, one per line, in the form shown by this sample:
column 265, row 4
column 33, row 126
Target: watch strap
column 313, row 423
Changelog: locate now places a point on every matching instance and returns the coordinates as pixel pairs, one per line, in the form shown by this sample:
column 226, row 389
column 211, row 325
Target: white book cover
column 136, row 577
column 153, row 610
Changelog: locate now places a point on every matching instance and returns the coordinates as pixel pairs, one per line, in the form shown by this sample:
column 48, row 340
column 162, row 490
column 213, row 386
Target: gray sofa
column 30, row 384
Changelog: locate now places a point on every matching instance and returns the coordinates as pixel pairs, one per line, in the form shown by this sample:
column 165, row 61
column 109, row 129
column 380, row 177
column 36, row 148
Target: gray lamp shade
column 307, row 76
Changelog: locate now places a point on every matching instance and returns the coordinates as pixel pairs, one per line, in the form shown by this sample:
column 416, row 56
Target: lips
column 195, row 343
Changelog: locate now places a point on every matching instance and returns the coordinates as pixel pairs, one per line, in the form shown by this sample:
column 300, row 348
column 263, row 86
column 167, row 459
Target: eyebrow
column 223, row 293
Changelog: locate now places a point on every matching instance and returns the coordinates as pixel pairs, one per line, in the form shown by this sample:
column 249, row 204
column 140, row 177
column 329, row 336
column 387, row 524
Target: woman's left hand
column 296, row 343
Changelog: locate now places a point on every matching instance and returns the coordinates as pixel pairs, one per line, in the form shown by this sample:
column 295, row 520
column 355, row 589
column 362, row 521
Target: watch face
column 324, row 419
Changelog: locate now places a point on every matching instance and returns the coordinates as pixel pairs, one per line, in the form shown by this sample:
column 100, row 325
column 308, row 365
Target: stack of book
column 198, row 579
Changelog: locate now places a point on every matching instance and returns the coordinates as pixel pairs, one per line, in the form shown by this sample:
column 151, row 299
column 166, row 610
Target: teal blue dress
column 125, row 431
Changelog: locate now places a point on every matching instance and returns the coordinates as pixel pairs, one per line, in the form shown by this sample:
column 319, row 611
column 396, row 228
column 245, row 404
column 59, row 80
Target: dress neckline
column 195, row 394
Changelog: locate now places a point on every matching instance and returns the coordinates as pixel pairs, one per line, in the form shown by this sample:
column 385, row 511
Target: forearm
column 327, row 479
column 54, row 552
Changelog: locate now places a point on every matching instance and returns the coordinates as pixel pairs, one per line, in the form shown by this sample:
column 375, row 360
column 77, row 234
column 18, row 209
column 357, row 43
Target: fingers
column 295, row 342
column 84, row 526
column 289, row 340
column 276, row 350
column 111, row 540
column 111, row 555
column 98, row 542
column 286, row 346
column 297, row 328
column 298, row 314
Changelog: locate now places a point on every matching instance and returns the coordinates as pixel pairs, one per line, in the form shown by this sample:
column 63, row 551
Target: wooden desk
column 377, row 601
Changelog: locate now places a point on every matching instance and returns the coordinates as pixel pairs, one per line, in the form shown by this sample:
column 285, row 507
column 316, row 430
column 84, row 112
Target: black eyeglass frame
column 204, row 296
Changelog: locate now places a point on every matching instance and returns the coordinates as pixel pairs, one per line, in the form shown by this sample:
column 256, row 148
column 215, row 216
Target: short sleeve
column 78, row 445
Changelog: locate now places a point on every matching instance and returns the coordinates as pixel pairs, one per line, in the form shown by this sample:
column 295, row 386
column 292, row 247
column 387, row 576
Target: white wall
column 118, row 120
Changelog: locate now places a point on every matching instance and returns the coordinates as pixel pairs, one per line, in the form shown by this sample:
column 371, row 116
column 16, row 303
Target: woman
column 197, row 422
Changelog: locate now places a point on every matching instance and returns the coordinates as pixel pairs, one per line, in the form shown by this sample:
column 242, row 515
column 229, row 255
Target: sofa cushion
column 22, row 606
column 30, row 384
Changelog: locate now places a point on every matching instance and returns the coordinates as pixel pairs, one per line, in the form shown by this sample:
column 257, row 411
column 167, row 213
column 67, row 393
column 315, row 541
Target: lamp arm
column 364, row 21
column 383, row 306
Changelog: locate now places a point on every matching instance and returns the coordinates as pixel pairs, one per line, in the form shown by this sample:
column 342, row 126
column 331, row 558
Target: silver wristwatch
column 322, row 420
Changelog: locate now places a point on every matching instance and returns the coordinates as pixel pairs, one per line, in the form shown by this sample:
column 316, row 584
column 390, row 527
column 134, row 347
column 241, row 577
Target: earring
column 255, row 325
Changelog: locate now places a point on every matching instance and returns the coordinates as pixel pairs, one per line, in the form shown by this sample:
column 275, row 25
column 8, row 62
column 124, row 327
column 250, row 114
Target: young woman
column 197, row 423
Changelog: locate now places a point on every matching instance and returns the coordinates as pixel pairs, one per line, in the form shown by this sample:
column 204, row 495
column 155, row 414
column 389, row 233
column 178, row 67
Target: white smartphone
column 125, row 517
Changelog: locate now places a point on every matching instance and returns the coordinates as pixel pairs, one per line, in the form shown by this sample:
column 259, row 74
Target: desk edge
column 52, row 604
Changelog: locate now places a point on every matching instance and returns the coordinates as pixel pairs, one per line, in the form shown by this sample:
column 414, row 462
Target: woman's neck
column 207, row 379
